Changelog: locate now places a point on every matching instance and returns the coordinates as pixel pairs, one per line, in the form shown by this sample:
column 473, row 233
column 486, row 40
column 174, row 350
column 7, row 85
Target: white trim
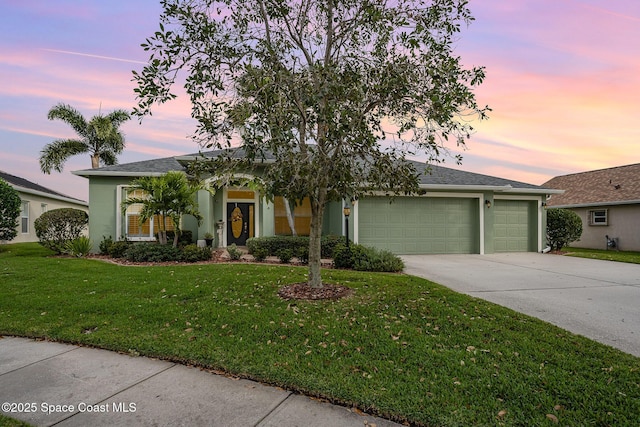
column 49, row 195
column 356, row 221
column 118, row 173
column 596, row 204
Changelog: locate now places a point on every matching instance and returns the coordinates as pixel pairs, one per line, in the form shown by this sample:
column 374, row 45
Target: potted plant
column 208, row 238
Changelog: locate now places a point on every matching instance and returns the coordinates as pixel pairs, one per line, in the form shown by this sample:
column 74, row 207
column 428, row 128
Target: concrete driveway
column 597, row 299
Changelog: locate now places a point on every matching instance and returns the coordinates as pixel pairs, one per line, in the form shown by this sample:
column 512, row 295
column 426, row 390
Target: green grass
column 620, row 256
column 12, row 422
column 400, row 347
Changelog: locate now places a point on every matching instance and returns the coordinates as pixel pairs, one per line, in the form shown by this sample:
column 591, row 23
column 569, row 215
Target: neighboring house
column 37, row 200
column 607, row 200
column 459, row 212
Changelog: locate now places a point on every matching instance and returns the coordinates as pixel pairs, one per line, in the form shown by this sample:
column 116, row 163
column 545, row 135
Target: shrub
column 303, row 255
column 152, row 252
column 79, row 247
column 563, row 227
column 364, row 258
column 105, row 245
column 9, row 211
column 260, row 254
column 329, row 244
column 378, row 260
column 192, row 253
column 274, row 244
column 186, row 237
column 343, row 256
column 58, row 226
column 285, row 255
column 234, row 252
column 118, row 249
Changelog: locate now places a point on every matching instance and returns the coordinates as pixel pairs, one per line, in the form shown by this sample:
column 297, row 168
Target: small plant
column 105, row 245
column 285, row 255
column 234, row 252
column 260, row 254
column 79, row 247
column 208, row 239
column 303, row 255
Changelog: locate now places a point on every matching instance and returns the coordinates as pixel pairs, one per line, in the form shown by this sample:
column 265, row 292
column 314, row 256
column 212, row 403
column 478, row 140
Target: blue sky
column 562, row 79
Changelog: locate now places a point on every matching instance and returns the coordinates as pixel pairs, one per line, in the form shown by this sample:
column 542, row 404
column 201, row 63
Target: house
column 607, row 200
column 37, row 200
column 459, row 212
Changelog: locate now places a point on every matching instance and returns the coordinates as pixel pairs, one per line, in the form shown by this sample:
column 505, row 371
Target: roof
column 437, row 178
column 617, row 185
column 26, row 186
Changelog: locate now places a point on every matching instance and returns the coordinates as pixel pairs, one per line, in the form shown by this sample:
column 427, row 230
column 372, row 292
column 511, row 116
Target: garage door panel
column 511, row 226
column 420, row 225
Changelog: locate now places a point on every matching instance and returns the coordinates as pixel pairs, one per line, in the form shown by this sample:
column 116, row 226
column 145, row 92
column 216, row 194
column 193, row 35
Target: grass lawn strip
column 620, row 256
column 400, row 347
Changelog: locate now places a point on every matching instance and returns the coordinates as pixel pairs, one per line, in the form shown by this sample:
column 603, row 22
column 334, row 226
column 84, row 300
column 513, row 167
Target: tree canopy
column 100, row 137
column 339, row 91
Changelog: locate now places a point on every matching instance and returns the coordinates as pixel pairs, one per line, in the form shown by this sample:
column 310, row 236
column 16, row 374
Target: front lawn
column 620, row 256
column 400, row 347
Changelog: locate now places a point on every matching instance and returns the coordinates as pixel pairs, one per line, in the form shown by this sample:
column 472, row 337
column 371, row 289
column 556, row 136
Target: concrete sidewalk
column 46, row 383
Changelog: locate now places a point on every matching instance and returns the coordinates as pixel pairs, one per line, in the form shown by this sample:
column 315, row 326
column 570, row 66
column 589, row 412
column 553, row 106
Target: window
column 24, row 218
column 598, row 217
column 301, row 217
column 134, row 229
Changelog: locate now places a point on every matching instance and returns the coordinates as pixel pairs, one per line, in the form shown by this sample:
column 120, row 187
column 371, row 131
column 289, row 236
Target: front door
column 240, row 223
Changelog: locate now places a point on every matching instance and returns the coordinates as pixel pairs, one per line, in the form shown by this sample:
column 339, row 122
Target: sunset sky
column 563, row 80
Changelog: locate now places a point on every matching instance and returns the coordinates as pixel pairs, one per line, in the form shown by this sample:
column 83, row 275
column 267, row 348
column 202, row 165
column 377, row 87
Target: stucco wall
column 623, row 223
column 36, row 203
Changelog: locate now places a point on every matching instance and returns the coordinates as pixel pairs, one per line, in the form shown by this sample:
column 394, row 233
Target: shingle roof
column 604, row 186
column 28, row 185
column 437, row 176
column 447, row 176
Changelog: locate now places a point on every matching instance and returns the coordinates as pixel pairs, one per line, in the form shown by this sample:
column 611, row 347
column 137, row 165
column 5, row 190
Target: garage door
column 420, row 225
column 511, row 225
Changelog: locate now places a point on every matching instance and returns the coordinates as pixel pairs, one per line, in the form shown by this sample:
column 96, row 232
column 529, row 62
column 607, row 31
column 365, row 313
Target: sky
column 563, row 81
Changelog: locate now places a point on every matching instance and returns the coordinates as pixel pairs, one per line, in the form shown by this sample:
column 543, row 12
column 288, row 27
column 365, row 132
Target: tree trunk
column 290, row 219
column 95, row 161
column 315, row 238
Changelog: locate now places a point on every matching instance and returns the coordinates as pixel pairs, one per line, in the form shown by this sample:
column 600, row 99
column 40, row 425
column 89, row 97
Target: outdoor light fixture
column 347, row 211
column 487, row 203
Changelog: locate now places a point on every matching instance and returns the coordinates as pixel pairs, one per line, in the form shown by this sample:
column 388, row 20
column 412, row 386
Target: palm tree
column 100, row 137
column 169, row 196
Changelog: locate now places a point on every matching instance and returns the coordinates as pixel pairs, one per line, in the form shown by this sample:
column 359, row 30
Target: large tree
column 169, row 196
column 339, row 91
column 100, row 137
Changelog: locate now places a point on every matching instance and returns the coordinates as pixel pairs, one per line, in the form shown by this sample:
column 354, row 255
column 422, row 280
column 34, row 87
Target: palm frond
column 55, row 154
column 71, row 116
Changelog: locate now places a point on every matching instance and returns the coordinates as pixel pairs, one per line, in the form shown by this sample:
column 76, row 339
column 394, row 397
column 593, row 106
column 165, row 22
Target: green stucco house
column 459, row 212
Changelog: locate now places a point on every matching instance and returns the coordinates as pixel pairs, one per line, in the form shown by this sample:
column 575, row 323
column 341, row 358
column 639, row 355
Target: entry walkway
column 597, row 299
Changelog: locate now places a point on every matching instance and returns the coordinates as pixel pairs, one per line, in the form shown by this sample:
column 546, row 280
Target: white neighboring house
column 37, row 200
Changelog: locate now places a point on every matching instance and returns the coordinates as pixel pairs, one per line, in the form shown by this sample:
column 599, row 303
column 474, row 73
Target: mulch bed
column 302, row 291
